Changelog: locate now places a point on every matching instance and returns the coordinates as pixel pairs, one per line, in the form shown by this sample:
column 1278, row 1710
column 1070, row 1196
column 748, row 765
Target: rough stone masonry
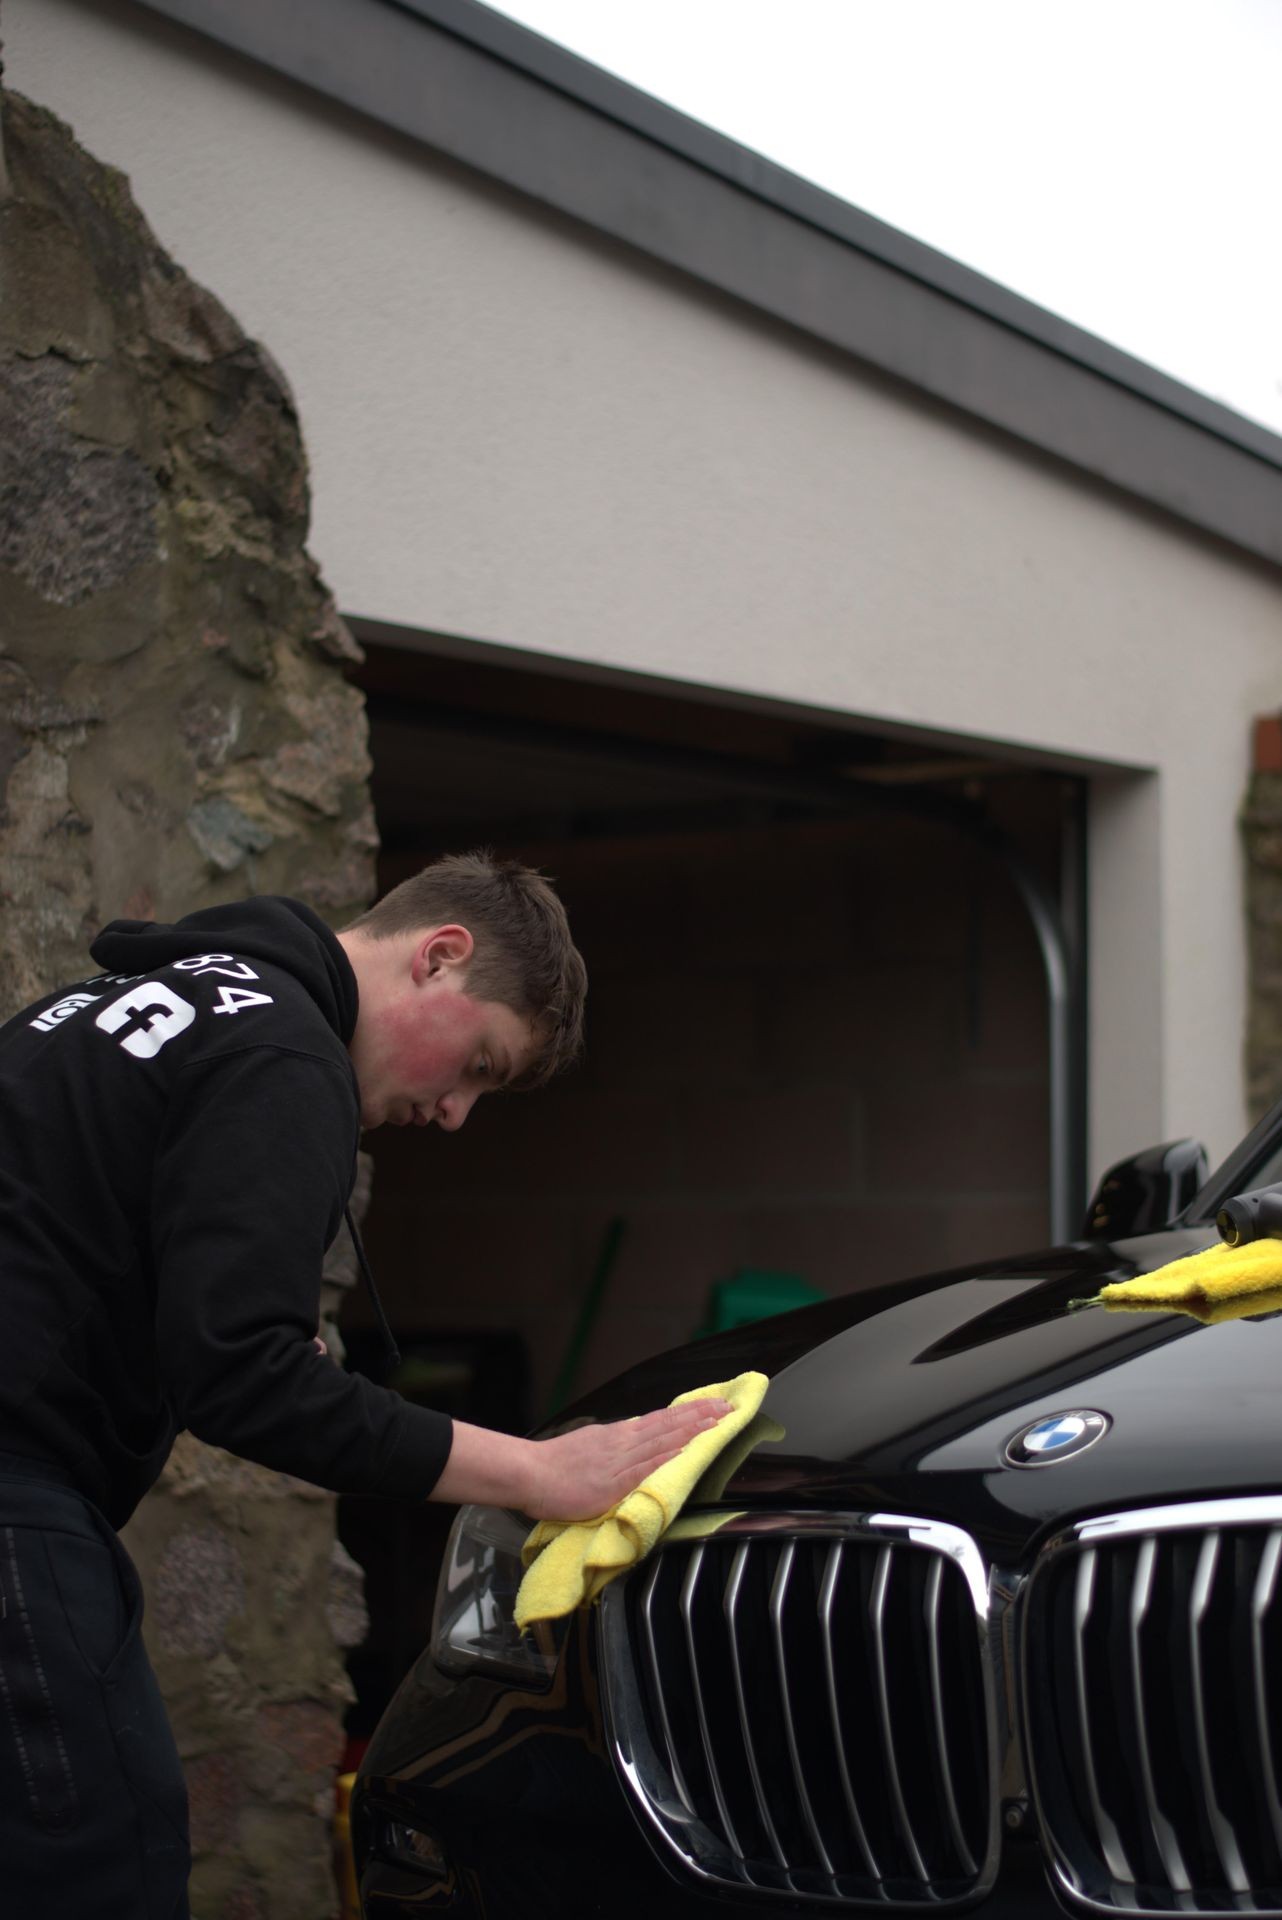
column 1261, row 821
column 175, row 731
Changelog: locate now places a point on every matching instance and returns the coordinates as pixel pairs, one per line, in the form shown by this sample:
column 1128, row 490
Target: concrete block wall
column 820, row 1049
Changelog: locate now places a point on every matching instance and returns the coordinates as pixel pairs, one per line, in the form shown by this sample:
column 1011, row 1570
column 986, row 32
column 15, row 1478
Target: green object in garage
column 593, row 1301
column 754, row 1293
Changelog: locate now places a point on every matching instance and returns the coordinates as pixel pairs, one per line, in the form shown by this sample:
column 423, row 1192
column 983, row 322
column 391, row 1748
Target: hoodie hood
column 283, row 932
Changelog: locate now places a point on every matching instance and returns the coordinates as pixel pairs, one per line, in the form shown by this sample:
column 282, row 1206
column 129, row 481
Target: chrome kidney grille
column 1153, row 1702
column 800, row 1704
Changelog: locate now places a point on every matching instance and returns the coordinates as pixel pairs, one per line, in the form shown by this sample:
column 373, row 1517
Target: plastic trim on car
column 1145, row 1523
column 650, row 1777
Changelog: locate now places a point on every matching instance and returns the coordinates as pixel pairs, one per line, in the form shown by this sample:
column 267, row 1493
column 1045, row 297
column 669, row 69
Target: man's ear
column 438, row 951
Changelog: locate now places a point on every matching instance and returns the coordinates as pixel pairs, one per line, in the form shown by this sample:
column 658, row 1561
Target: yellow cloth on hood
column 713, row 1483
column 568, row 1562
column 1211, row 1313
column 1203, row 1282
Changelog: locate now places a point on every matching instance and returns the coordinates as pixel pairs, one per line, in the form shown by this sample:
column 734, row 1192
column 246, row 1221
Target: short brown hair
column 523, row 957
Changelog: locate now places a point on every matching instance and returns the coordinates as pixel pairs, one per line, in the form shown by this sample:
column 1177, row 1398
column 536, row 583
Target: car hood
column 902, row 1398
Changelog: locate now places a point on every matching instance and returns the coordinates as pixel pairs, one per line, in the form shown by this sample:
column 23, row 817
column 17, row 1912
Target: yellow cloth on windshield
column 568, row 1562
column 1202, row 1282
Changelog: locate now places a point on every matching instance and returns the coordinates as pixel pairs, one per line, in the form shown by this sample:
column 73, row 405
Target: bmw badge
column 1056, row 1437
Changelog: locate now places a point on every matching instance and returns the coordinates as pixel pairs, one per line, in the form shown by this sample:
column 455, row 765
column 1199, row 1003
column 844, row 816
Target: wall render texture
column 175, row 731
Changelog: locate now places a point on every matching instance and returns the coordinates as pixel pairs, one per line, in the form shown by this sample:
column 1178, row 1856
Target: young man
column 178, row 1136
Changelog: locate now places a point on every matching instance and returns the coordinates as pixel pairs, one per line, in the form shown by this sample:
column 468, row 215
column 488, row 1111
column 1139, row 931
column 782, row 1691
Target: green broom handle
column 587, row 1316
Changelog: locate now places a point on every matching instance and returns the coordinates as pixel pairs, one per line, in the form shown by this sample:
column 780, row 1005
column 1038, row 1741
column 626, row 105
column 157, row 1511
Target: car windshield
column 1270, row 1171
column 1257, row 1162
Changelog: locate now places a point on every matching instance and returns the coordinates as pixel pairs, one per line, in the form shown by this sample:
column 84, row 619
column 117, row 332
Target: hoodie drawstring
column 393, row 1351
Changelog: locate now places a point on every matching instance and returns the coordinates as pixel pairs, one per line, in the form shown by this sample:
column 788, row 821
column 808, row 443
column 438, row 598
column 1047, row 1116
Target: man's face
column 426, row 1051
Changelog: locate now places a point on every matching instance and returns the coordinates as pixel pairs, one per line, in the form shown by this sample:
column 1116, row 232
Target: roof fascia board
column 462, row 80
column 765, row 180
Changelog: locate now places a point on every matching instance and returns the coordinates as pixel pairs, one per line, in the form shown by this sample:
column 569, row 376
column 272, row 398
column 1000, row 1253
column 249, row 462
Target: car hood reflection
column 904, row 1397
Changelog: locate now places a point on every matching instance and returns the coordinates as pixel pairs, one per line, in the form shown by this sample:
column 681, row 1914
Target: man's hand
column 582, row 1474
column 577, row 1475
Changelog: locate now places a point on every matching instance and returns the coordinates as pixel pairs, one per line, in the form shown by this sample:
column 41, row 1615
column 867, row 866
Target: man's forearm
column 494, row 1469
column 573, row 1476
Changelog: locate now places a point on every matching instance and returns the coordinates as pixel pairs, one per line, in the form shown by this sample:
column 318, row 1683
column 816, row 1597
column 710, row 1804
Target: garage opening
column 817, row 1041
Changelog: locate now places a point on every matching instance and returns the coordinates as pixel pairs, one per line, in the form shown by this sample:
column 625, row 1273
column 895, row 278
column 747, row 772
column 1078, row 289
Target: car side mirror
column 1146, row 1192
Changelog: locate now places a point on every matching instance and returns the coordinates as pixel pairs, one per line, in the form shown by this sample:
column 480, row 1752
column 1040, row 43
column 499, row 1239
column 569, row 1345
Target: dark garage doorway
column 817, row 1037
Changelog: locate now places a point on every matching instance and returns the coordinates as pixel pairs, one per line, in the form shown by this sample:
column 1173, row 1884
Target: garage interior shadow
column 816, row 1044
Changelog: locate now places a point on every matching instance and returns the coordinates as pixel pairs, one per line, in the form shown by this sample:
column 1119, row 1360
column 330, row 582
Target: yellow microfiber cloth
column 1211, row 1313
column 1220, row 1283
column 568, row 1562
column 713, row 1483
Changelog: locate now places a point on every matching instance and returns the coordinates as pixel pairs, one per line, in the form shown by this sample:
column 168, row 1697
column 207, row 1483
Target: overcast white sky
column 1118, row 161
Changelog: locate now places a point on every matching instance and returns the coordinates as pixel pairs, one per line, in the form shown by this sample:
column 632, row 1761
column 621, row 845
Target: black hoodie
column 177, row 1145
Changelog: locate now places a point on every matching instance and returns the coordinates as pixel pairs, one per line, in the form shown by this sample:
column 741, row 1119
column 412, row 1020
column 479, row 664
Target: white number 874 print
column 230, row 999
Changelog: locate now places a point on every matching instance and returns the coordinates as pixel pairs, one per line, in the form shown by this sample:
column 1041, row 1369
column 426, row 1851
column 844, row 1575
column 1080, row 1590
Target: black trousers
column 93, row 1809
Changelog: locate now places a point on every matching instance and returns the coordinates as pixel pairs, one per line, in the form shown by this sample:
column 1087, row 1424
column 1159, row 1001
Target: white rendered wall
column 523, row 434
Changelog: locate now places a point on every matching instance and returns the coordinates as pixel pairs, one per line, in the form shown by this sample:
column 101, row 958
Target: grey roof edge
column 485, row 91
column 766, row 180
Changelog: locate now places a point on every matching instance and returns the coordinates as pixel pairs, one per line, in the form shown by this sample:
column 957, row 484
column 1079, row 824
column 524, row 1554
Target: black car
column 995, row 1622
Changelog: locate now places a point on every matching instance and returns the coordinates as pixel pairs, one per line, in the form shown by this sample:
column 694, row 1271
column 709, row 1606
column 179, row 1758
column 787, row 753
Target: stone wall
column 175, row 731
column 1262, row 839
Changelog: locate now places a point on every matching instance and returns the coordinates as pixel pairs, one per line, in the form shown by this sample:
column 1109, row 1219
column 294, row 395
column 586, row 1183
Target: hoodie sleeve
column 250, row 1181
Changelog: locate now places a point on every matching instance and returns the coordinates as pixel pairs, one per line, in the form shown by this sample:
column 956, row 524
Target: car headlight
column 407, row 1846
column 473, row 1629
